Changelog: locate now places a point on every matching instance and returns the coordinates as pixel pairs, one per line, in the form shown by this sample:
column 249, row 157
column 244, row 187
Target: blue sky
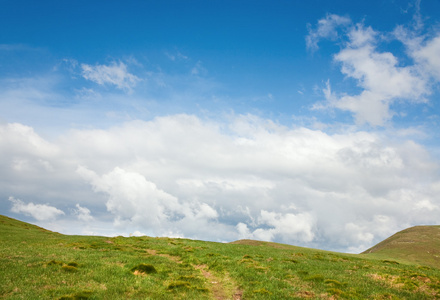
column 312, row 123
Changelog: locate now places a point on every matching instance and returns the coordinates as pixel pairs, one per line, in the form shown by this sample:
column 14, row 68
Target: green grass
column 419, row 245
column 39, row 264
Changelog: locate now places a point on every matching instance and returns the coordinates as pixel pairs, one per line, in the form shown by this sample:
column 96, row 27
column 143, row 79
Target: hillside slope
column 419, row 244
column 39, row 264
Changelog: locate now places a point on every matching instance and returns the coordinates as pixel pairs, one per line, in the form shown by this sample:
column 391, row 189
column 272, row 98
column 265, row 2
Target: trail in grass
column 219, row 291
column 39, row 264
column 216, row 283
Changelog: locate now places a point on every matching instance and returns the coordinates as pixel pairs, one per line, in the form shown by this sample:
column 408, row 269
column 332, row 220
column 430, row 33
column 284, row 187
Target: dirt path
column 222, row 288
column 218, row 285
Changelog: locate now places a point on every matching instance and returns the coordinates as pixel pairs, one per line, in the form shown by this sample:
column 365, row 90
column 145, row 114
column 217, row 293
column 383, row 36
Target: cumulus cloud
column 429, row 57
column 382, row 78
column 20, row 142
column 135, row 201
column 16, row 138
column 424, row 49
column 283, row 227
column 114, row 74
column 40, row 212
column 25, row 156
column 249, row 177
column 132, row 197
column 83, row 213
column 379, row 75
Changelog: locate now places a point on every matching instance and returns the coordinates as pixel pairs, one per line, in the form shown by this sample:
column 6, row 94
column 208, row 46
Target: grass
column 419, row 244
column 39, row 264
column 144, row 269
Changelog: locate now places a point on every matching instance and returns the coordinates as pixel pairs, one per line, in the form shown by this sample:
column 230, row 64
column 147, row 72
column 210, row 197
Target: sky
column 311, row 123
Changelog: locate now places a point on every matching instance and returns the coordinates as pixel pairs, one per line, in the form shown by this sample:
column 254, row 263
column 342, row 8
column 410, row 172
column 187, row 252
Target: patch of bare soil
column 238, row 295
column 138, row 273
column 305, row 294
column 176, row 259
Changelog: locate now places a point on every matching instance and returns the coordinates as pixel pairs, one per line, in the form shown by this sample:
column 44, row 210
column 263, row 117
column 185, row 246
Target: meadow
column 39, row 264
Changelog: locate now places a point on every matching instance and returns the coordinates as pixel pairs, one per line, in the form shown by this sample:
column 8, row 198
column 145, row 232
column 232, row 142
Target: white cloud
column 380, row 75
column 132, row 198
column 245, row 178
column 24, row 156
column 41, row 212
column 137, row 233
column 326, row 28
column 426, row 204
column 286, row 227
column 83, row 213
column 243, row 231
column 16, row 138
column 135, row 201
column 427, row 54
column 113, row 74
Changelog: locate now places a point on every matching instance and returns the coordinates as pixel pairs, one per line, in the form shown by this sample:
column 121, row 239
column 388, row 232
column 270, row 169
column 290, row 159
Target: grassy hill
column 419, row 244
column 38, row 264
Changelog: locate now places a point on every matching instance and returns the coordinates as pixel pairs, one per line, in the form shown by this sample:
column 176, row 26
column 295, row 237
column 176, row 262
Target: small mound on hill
column 419, row 244
column 144, row 269
column 249, row 242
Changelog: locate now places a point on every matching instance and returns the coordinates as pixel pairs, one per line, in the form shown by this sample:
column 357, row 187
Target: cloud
column 175, row 55
column 327, row 28
column 135, row 201
column 284, row 227
column 83, row 213
column 16, row 138
column 246, row 177
column 113, row 74
column 424, row 50
column 40, row 212
column 198, row 69
column 382, row 78
column 132, row 197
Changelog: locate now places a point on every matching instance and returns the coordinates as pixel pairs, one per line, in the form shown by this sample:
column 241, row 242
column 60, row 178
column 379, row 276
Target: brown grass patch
column 305, row 294
column 388, row 279
column 176, row 259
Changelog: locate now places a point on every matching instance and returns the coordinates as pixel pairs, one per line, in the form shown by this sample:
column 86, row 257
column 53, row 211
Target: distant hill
column 36, row 263
column 15, row 225
column 419, row 244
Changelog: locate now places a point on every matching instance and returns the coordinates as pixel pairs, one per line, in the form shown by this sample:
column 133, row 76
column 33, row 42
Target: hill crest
column 418, row 244
column 414, row 245
column 37, row 263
